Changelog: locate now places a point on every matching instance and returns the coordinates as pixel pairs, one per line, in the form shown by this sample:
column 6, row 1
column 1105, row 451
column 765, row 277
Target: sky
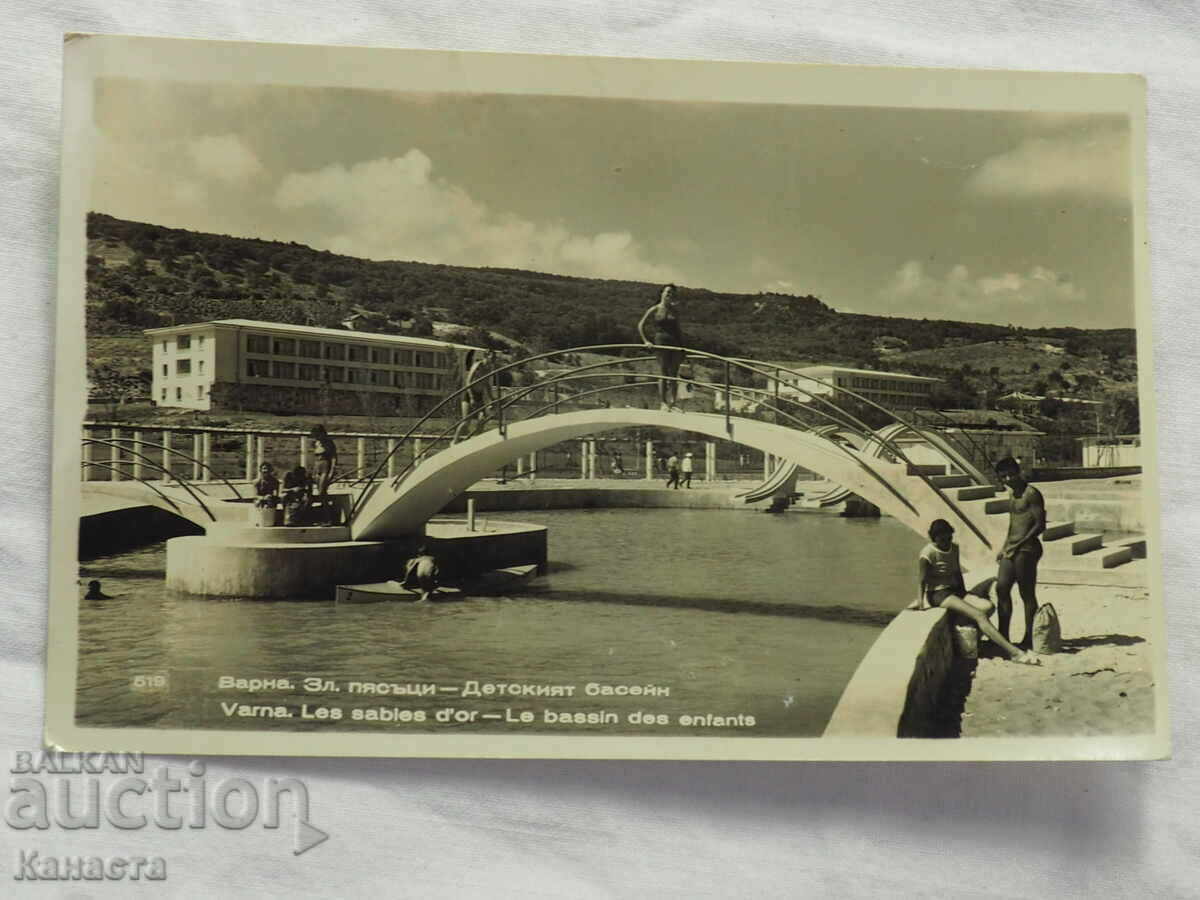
column 1005, row 217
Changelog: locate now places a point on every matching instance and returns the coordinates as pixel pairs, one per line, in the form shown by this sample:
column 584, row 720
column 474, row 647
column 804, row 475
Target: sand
column 1102, row 683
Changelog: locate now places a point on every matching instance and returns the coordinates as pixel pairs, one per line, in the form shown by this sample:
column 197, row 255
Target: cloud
column 1095, row 165
column 1040, row 296
column 224, row 157
column 397, row 208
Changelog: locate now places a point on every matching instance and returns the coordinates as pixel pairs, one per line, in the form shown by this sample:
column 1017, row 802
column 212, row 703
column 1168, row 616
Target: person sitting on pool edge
column 942, row 585
column 421, row 574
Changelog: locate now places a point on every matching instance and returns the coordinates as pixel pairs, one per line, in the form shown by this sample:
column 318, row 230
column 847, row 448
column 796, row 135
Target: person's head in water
column 667, row 297
column 941, row 533
column 1008, row 470
column 94, row 589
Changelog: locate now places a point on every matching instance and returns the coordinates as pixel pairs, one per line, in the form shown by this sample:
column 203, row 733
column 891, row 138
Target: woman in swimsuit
column 665, row 336
column 326, row 454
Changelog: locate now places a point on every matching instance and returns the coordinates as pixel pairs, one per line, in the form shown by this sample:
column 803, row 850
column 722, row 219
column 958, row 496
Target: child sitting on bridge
column 942, row 585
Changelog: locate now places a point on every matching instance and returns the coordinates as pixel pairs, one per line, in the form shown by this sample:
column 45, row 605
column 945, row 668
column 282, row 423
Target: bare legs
column 979, row 616
column 1021, row 570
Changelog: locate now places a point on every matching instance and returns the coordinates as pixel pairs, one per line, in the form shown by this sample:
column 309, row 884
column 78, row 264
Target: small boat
column 497, row 581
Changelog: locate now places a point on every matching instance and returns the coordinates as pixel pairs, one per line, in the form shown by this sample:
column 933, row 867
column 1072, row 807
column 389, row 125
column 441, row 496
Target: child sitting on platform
column 942, row 585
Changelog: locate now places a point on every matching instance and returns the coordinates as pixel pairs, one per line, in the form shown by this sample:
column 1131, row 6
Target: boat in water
column 495, row 582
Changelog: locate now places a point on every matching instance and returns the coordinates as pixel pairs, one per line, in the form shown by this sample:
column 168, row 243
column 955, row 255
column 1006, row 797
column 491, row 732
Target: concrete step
column 1056, row 530
column 1133, row 574
column 975, row 492
column 1115, row 556
column 922, row 469
column 986, row 506
column 1074, row 544
column 950, row 481
column 1137, row 545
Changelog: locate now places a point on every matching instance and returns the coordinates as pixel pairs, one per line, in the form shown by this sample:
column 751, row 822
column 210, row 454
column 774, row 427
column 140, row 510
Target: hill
column 141, row 276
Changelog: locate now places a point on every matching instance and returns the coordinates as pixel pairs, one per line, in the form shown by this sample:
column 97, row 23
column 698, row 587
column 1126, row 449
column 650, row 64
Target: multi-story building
column 889, row 389
column 270, row 366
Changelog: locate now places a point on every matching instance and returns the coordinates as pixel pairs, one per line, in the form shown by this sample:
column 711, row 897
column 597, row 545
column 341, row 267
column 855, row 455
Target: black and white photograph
column 434, row 404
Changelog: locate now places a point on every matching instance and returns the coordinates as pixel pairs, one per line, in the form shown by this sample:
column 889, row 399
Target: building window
column 335, row 374
column 310, row 349
column 258, row 368
column 201, row 363
column 356, row 376
column 335, row 351
column 309, row 373
column 403, row 379
column 424, row 380
column 285, row 370
column 165, row 371
column 357, row 353
column 178, row 393
column 378, row 356
column 258, row 343
column 285, row 347
column 183, row 342
column 199, row 392
column 183, row 367
column 420, row 359
column 377, row 377
column 200, row 342
column 164, row 393
column 402, row 358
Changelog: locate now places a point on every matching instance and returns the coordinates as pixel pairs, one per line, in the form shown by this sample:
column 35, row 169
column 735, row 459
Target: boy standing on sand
column 1019, row 556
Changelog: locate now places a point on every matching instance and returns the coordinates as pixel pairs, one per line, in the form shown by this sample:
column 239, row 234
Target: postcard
column 436, row 404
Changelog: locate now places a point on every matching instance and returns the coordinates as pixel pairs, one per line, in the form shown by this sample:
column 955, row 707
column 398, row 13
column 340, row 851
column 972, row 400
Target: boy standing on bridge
column 1019, row 556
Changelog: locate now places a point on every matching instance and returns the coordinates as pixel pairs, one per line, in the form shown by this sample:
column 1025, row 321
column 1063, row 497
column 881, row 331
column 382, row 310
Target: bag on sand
column 1047, row 633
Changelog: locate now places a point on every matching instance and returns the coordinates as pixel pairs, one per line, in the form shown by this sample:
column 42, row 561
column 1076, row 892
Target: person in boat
column 325, row 451
column 266, row 489
column 942, row 585
column 297, row 494
column 665, row 336
column 95, row 593
column 421, row 574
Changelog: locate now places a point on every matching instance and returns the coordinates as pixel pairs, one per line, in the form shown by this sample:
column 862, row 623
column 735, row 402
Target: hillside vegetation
column 141, row 276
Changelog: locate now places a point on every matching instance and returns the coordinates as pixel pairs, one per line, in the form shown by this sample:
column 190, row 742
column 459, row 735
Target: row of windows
column 184, row 342
column 183, row 367
column 265, row 368
column 179, row 393
column 425, row 359
column 885, row 384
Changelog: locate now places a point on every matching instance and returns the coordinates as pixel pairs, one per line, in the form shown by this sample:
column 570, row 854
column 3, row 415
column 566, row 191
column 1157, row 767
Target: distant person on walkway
column 325, row 451
column 266, row 489
column 665, row 332
column 673, row 472
column 1022, row 549
column 94, row 592
column 685, row 469
column 942, row 585
column 421, row 574
column 618, row 464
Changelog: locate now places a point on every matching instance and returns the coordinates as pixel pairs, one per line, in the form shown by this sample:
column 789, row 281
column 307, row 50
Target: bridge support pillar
column 649, row 460
column 710, row 461
column 114, row 456
column 166, row 455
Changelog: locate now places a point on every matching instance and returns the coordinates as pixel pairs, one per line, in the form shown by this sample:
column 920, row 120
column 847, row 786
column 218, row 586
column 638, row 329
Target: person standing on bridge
column 665, row 337
column 475, row 399
column 325, row 452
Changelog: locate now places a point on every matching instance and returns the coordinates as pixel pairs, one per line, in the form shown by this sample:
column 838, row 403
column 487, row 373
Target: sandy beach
column 1102, row 683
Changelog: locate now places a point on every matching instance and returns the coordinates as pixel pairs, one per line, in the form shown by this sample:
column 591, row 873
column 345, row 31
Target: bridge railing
column 819, row 404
